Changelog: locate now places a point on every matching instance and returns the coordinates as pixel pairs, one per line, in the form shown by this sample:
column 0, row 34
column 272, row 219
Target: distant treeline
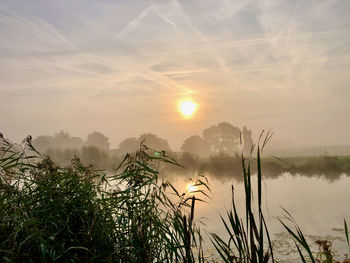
column 225, row 167
column 217, row 139
column 216, row 152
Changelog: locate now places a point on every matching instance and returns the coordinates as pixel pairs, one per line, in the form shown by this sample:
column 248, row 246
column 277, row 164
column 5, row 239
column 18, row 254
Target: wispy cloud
column 274, row 55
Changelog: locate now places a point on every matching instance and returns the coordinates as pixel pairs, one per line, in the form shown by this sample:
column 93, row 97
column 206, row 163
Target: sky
column 120, row 67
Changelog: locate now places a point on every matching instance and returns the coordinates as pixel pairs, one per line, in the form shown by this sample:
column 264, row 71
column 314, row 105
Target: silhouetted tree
column 197, row 145
column 61, row 140
column 188, row 160
column 62, row 156
column 152, row 141
column 98, row 140
column 247, row 140
column 129, row 145
column 95, row 156
column 223, row 137
column 43, row 143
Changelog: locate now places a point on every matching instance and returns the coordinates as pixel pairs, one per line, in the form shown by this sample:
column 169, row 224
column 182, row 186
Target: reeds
column 151, row 227
column 80, row 214
column 246, row 242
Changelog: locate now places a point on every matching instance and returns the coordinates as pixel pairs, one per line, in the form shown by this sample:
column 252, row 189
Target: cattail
column 29, row 139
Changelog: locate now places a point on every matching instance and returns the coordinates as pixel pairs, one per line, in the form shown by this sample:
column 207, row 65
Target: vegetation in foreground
column 76, row 214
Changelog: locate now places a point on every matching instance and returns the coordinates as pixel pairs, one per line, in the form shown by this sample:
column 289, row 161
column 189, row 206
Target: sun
column 191, row 187
column 188, row 107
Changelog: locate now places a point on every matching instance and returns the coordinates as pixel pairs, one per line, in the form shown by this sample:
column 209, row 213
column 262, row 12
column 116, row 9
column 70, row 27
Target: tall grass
column 151, row 227
column 246, row 242
column 249, row 239
column 50, row 214
column 80, row 214
column 77, row 214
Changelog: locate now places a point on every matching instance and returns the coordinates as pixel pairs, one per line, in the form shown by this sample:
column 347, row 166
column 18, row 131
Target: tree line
column 215, row 152
column 222, row 138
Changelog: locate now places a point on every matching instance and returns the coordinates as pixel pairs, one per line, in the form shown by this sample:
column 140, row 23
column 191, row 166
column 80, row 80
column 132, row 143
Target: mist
column 174, row 131
column 120, row 68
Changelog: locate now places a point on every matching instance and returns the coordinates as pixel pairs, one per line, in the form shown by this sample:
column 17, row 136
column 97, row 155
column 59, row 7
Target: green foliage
column 78, row 214
column 346, row 234
column 298, row 236
column 50, row 214
column 246, row 242
column 151, row 226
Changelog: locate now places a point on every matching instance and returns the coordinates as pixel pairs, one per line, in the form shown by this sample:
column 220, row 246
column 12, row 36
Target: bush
column 77, row 214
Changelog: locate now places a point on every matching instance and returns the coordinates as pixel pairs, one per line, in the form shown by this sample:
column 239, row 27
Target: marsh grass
column 249, row 239
column 247, row 234
column 325, row 254
column 80, row 214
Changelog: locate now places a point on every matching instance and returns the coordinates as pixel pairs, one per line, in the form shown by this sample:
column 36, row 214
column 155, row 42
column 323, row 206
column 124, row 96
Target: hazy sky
column 120, row 66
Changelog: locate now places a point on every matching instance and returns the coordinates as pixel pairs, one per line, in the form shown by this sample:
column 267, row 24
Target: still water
column 318, row 204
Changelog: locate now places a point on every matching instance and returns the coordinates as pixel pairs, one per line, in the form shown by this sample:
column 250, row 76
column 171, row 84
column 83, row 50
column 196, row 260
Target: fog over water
column 318, row 206
column 201, row 82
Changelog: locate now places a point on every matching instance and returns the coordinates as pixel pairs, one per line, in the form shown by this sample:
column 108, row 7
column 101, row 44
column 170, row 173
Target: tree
column 247, row 140
column 98, row 140
column 129, row 145
column 223, row 137
column 197, row 145
column 61, row 140
column 43, row 143
column 95, row 156
column 64, row 141
column 154, row 142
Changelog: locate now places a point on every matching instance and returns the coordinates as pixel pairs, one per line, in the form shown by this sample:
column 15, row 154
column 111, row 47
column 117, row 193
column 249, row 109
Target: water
column 318, row 204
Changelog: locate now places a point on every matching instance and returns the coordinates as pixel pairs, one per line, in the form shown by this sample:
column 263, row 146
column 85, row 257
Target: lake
column 318, row 203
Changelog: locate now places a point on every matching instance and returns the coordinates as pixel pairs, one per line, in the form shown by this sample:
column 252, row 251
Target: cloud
column 27, row 33
column 97, row 67
column 85, row 51
column 166, row 66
